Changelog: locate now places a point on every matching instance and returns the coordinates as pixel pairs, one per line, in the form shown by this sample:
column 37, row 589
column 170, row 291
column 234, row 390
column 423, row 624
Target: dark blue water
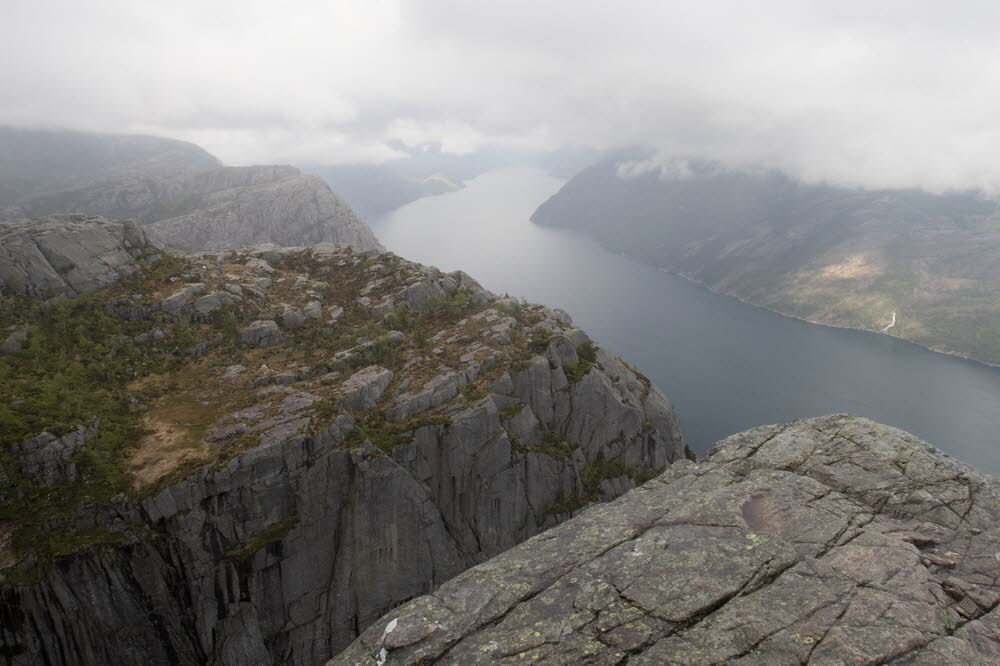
column 725, row 365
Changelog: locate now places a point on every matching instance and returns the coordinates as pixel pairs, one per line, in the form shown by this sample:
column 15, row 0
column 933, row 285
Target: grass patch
column 593, row 473
column 538, row 343
column 324, row 412
column 567, row 505
column 387, row 435
column 553, row 445
column 472, row 393
column 511, row 412
column 587, row 353
column 47, row 544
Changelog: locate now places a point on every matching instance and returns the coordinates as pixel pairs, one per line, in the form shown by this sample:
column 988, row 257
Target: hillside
column 845, row 257
column 36, row 162
column 249, row 456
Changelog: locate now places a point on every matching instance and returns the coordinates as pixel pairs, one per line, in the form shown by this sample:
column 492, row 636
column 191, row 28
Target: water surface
column 725, row 365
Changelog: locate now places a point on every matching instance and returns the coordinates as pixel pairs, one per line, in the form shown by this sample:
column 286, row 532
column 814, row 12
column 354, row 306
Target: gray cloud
column 894, row 93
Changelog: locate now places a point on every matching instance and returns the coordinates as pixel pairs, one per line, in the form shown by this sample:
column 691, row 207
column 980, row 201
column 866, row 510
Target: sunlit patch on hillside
column 174, row 426
column 856, row 266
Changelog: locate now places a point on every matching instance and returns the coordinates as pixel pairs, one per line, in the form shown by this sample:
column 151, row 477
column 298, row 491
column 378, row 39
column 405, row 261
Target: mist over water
column 725, row 365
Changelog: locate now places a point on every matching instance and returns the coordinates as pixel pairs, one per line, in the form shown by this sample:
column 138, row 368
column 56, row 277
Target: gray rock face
column 212, row 302
column 367, row 531
column 238, row 206
column 834, row 540
column 261, row 333
column 363, row 389
column 174, row 303
column 69, row 254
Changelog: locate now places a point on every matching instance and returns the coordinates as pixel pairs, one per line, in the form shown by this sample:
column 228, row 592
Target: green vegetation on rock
column 270, row 534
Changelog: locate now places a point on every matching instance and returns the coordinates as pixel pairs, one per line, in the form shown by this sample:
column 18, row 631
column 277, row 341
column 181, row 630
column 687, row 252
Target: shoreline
column 943, row 352
column 696, row 281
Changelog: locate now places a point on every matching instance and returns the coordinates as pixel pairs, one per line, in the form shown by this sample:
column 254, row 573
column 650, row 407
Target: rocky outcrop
column 285, row 498
column 45, row 460
column 832, row 540
column 69, row 254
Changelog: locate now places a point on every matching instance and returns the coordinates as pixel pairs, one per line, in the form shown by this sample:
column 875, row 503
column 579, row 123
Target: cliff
column 249, row 456
column 833, row 540
column 249, row 205
column 828, row 254
column 184, row 199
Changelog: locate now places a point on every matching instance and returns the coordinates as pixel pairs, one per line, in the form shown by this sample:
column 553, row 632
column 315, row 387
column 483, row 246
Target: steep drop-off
column 831, row 541
column 250, row 456
column 833, row 255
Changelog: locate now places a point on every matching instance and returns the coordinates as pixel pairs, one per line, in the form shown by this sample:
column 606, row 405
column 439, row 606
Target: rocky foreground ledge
column 832, row 540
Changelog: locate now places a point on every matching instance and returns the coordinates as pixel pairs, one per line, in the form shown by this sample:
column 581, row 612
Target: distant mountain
column 185, row 199
column 917, row 265
column 33, row 162
column 375, row 189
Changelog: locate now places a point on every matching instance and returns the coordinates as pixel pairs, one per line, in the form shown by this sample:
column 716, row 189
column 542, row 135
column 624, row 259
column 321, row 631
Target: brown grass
column 176, row 423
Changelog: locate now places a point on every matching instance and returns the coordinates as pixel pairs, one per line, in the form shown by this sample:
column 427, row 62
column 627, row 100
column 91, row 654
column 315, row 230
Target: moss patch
column 270, row 534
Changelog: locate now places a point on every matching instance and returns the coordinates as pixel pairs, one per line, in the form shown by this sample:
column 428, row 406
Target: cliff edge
column 831, row 540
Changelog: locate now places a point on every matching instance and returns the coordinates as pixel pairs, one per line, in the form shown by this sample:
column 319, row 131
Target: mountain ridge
column 829, row 255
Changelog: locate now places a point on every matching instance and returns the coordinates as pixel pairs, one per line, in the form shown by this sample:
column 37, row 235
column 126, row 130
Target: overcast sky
column 867, row 92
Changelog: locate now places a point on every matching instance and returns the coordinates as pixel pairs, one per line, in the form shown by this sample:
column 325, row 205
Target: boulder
column 313, row 310
column 212, row 302
column 15, row 341
column 152, row 334
column 292, row 318
column 174, row 304
column 261, row 333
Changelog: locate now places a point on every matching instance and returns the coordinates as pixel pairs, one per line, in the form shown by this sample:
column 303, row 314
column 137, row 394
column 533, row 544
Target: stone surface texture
column 834, row 540
column 68, row 254
column 247, row 205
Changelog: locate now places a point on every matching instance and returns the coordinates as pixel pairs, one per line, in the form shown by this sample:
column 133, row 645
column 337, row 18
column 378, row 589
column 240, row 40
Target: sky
column 872, row 93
